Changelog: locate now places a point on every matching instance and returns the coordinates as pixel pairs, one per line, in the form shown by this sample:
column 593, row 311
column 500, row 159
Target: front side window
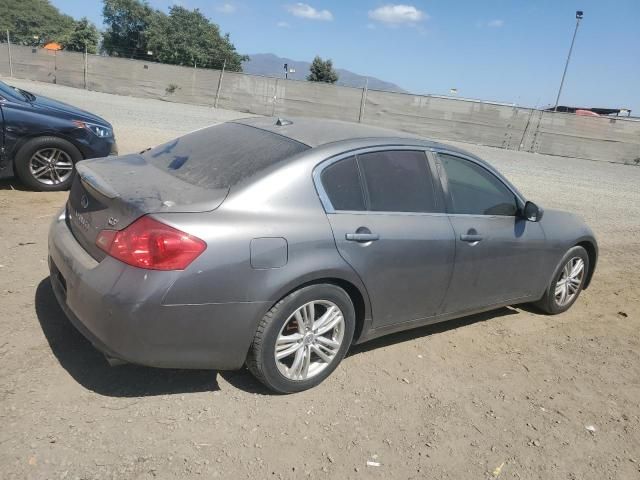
column 475, row 191
column 397, row 181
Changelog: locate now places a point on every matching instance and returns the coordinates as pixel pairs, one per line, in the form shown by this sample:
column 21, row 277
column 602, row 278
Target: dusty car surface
column 280, row 243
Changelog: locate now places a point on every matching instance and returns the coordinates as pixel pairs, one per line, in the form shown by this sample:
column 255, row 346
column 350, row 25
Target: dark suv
column 41, row 139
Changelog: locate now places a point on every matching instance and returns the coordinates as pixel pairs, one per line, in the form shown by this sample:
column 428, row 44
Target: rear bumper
column 119, row 309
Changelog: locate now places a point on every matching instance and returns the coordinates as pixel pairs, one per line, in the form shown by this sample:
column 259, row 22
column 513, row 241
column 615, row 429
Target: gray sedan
column 277, row 244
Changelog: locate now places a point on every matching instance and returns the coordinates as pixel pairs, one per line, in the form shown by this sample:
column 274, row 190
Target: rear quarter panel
column 283, row 203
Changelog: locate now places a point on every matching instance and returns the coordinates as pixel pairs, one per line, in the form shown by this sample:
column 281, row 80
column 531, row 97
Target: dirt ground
column 510, row 394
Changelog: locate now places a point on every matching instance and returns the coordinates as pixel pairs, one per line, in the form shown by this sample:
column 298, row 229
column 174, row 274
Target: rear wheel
column 567, row 283
column 303, row 338
column 47, row 163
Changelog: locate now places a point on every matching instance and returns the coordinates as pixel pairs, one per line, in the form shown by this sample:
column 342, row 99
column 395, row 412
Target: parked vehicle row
column 277, row 244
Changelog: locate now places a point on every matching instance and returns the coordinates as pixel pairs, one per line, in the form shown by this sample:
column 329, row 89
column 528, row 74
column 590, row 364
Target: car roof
column 315, row 132
column 318, row 132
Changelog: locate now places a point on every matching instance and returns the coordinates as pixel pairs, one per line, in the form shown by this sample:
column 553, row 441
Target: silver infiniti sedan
column 277, row 244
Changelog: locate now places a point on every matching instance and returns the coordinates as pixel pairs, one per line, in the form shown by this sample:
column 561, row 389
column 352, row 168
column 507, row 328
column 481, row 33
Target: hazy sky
column 503, row 50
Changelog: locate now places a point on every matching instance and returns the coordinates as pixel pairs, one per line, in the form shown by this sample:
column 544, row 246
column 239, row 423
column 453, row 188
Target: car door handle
column 362, row 237
column 471, row 238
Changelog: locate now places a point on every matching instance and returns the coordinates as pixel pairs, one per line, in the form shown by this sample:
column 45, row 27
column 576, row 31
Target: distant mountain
column 273, row 66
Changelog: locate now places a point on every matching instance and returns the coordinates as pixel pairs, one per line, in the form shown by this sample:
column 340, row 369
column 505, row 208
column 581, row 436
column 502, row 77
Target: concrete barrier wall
column 605, row 138
column 448, row 119
column 486, row 123
column 311, row 99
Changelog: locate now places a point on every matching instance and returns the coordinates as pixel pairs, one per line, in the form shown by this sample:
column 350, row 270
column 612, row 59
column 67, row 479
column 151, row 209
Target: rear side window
column 222, row 155
column 475, row 191
column 341, row 182
column 398, row 181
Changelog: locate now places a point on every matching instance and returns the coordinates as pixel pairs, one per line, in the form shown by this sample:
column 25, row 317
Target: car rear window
column 222, row 155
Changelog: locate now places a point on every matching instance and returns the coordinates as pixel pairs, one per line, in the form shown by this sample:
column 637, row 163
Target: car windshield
column 223, row 155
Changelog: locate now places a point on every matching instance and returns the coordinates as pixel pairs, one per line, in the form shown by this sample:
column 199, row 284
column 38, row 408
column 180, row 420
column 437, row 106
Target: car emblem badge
column 84, row 201
column 112, row 221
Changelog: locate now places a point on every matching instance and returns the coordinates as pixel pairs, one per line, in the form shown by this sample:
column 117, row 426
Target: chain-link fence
column 486, row 123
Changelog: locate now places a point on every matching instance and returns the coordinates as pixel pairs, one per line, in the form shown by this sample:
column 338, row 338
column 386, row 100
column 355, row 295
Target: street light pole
column 579, row 15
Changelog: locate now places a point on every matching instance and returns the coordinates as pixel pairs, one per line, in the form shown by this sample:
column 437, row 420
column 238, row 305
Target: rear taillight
column 150, row 244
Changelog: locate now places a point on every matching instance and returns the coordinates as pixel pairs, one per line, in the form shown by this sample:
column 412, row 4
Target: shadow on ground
column 425, row 331
column 12, row 184
column 89, row 367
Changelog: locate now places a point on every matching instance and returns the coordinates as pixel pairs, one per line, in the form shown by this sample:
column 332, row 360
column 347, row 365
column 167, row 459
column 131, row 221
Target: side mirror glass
column 532, row 212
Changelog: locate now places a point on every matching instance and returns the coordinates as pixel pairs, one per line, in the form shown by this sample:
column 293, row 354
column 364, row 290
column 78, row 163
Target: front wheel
column 303, row 338
column 47, row 163
column 567, row 283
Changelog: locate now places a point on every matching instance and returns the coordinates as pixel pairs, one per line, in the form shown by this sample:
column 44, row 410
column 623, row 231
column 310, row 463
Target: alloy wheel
column 51, row 166
column 568, row 285
column 309, row 340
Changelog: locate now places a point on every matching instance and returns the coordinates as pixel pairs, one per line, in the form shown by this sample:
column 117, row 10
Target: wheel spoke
column 574, row 283
column 38, row 157
column 563, row 295
column 64, row 166
column 288, row 350
column 297, row 363
column 306, row 362
column 327, row 321
column 300, row 321
column 330, row 343
column 311, row 314
column 577, row 269
column 300, row 366
column 287, row 345
column 330, row 323
column 39, row 172
column 54, row 176
column 289, row 339
column 318, row 351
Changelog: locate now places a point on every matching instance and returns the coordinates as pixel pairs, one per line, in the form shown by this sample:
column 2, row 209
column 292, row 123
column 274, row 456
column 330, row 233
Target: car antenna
column 283, row 121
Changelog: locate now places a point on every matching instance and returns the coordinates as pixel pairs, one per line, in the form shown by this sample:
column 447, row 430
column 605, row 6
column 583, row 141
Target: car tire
column 55, row 155
column 316, row 357
column 567, row 283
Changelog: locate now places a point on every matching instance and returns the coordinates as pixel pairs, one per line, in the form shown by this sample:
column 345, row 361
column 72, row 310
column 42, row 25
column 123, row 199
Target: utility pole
column 579, row 15
column 224, row 64
column 363, row 99
column 9, row 50
column 86, row 64
column 287, row 71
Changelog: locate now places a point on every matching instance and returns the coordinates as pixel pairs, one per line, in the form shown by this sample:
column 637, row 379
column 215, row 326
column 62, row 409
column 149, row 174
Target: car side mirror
column 532, row 212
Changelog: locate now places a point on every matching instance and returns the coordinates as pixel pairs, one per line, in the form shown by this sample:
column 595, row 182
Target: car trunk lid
column 111, row 193
column 193, row 173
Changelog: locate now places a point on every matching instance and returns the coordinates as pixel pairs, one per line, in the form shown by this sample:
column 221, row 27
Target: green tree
column 185, row 37
column 322, row 71
column 33, row 22
column 127, row 22
column 84, row 33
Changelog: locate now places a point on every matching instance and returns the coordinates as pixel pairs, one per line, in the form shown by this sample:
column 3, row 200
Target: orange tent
column 53, row 46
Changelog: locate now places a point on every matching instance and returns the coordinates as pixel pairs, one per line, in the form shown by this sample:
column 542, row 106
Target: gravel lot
column 507, row 394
